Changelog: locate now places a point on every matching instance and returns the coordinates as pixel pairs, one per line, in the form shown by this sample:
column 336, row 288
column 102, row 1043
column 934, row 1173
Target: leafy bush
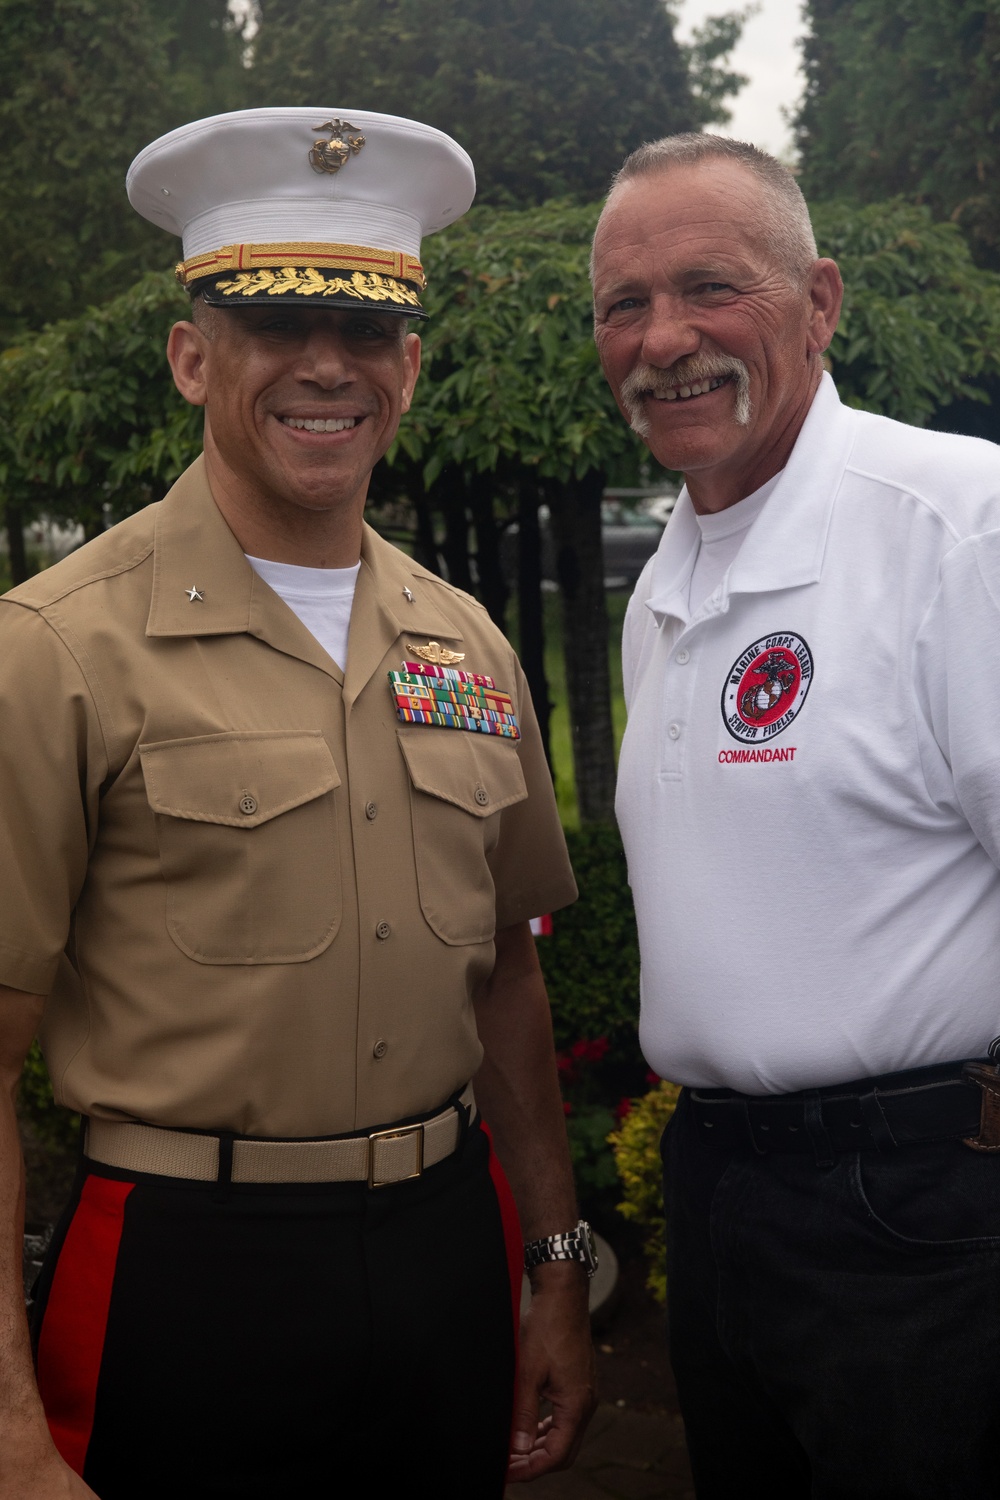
column 591, row 960
column 49, row 1123
column 636, row 1146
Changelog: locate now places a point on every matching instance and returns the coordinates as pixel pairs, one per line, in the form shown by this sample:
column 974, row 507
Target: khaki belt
column 381, row 1158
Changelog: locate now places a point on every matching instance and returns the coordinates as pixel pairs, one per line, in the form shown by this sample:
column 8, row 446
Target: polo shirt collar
column 194, row 548
column 784, row 547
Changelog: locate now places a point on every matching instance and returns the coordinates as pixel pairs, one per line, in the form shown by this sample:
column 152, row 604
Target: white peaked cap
column 324, row 204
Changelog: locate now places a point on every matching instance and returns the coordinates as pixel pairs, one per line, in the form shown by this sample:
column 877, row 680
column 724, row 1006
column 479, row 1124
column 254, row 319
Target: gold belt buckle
column 417, row 1131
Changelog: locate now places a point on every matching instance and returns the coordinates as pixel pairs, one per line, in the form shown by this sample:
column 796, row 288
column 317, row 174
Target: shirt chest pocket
column 246, row 825
column 459, row 784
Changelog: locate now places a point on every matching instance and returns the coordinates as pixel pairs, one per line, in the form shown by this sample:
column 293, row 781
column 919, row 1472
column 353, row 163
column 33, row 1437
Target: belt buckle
column 987, row 1078
column 416, row 1131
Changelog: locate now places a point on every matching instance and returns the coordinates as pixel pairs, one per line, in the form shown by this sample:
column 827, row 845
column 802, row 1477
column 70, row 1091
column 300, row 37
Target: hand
column 556, row 1364
column 31, row 1469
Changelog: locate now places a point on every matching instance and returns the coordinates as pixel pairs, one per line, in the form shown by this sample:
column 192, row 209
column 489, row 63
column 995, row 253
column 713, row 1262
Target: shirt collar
column 194, row 549
column 785, row 545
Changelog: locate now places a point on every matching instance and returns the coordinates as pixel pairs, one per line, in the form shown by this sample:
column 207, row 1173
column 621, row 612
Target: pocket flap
column 479, row 773
column 242, row 779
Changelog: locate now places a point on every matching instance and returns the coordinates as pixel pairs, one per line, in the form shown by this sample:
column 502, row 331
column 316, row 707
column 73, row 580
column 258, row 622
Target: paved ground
column 628, row 1455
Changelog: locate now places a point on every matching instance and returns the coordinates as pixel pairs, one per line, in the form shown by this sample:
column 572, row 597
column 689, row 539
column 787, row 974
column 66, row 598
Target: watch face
column 588, row 1245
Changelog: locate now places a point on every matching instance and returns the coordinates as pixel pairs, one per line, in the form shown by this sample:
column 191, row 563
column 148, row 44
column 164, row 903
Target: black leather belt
column 896, row 1109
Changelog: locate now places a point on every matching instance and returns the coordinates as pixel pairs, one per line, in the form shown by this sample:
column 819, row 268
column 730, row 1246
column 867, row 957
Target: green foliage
column 547, row 96
column 84, row 85
column 591, row 960
column 921, row 322
column 636, row 1146
column 594, row 1171
column 904, row 98
column 511, row 375
column 512, row 386
column 51, row 1125
column 89, row 415
column 706, row 55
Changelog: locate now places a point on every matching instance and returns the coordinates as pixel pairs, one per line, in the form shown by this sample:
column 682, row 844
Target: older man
column 810, row 802
column 274, row 819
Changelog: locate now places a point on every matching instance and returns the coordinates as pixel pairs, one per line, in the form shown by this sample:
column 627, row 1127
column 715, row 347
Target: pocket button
column 482, row 796
column 248, row 804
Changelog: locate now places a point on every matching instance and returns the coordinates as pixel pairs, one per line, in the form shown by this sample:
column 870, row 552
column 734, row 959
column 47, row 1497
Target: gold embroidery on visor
column 309, row 283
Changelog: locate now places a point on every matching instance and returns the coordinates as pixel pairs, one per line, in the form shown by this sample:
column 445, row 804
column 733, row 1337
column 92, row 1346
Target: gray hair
column 785, row 222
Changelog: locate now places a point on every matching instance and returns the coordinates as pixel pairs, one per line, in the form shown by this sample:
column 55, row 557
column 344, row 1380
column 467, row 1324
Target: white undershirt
column 321, row 597
column 722, row 536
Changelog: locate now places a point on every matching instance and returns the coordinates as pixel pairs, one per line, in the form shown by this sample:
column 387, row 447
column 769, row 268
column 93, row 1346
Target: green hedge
column 591, row 960
column 51, row 1125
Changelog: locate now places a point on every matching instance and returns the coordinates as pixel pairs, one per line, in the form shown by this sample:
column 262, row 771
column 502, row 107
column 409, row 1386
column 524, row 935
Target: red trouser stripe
column 511, row 1230
column 76, row 1315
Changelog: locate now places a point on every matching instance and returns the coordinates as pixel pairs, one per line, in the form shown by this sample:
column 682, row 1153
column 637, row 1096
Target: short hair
column 786, row 225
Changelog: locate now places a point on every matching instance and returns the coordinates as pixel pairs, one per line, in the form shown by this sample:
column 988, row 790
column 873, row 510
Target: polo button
column 380, row 1049
column 248, row 804
column 382, row 931
column 673, row 730
column 482, row 796
column 371, row 811
column 683, row 657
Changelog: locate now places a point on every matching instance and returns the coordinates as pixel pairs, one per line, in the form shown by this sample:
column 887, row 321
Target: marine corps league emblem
column 345, row 141
column 766, row 687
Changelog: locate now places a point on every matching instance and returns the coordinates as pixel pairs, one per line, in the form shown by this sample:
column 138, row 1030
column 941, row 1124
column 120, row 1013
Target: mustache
column 649, row 380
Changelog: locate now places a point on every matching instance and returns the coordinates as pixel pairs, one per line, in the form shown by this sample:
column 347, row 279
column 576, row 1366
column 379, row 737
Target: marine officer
column 274, row 820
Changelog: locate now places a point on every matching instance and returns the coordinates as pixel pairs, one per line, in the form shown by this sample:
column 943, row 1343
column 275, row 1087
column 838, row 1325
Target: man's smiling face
column 708, row 343
column 301, row 402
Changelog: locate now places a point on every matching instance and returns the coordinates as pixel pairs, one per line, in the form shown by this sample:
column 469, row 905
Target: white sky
column 769, row 55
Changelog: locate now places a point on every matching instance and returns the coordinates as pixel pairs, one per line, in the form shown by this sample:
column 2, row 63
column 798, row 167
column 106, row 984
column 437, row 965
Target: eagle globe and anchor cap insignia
column 766, row 687
column 345, row 141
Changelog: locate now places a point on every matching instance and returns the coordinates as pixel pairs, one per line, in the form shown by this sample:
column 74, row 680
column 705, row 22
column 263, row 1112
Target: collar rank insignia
column 452, row 700
column 436, row 654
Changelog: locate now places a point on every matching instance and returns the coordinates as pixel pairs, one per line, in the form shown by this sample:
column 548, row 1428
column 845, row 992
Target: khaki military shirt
column 255, row 900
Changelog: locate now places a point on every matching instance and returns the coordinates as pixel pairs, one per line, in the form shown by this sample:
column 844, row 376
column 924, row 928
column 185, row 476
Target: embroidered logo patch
column 766, row 687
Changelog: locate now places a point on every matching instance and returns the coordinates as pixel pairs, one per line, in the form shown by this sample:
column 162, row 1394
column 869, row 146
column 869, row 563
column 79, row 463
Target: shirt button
column 482, row 796
column 673, row 730
column 683, row 657
column 371, row 811
column 380, row 1048
column 248, row 804
column 382, row 931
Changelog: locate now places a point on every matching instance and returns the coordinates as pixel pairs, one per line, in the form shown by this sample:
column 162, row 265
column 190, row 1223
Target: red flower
column 590, row 1052
column 564, row 1067
column 567, row 1107
column 623, row 1108
column 652, row 1077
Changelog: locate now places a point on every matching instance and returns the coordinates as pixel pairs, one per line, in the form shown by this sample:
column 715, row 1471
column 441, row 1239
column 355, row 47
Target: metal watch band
column 573, row 1244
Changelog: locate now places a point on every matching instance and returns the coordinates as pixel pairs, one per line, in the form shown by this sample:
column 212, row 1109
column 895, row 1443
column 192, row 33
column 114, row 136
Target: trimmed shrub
column 50, row 1124
column 591, row 960
column 636, row 1145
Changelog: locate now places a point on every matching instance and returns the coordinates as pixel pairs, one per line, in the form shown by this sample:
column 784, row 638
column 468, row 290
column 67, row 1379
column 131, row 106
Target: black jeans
column 835, row 1332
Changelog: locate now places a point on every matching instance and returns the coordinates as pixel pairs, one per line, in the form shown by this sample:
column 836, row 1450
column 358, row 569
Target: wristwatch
column 575, row 1244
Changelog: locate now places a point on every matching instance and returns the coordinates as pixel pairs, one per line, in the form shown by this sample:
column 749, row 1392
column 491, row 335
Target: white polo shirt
column 809, row 787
